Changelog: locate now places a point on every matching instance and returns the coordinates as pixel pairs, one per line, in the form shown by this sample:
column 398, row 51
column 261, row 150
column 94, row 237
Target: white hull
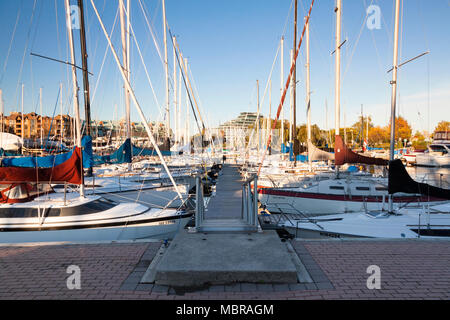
column 84, row 219
column 409, row 223
column 156, row 230
column 311, row 207
column 433, row 161
column 293, row 205
column 438, row 155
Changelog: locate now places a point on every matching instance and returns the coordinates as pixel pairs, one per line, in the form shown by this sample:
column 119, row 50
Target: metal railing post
column 255, row 201
column 199, row 205
column 250, row 203
column 243, row 203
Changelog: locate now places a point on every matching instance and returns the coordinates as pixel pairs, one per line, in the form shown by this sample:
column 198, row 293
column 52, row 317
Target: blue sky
column 230, row 44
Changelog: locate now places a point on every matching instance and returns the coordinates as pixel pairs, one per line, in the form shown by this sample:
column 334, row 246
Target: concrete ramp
column 198, row 259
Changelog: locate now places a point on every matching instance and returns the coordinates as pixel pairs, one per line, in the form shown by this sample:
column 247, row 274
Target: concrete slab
column 197, row 259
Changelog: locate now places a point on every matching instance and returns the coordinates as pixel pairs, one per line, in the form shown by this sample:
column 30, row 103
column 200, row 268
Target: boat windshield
column 95, row 206
column 438, row 148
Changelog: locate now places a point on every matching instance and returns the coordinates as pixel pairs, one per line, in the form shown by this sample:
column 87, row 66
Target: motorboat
column 437, row 155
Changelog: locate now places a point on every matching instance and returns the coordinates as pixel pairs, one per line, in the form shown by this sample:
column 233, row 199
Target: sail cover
column 149, row 152
column 68, row 171
column 52, row 160
column 344, row 155
column 400, row 181
column 121, row 155
column 318, row 155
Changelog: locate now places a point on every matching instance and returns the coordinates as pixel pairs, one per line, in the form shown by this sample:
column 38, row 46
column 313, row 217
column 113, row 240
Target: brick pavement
column 409, row 270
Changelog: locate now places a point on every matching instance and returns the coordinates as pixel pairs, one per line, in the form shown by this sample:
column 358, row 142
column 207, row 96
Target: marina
column 132, row 186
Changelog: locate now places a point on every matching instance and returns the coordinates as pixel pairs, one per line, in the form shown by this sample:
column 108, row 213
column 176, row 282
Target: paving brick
column 409, row 270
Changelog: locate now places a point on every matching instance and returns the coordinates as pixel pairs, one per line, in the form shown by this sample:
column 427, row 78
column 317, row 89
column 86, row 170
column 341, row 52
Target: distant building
column 244, row 120
column 441, row 136
column 33, row 125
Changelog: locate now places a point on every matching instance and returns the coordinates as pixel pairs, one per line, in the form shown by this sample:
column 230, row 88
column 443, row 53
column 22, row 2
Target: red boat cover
column 344, row 155
column 69, row 171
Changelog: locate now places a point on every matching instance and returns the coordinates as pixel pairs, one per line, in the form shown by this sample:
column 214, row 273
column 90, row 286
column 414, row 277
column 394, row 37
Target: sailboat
column 431, row 221
column 34, row 214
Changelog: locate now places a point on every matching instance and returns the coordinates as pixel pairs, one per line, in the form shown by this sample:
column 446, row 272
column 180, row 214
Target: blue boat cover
column 125, row 153
column 53, row 160
column 121, row 155
column 148, row 152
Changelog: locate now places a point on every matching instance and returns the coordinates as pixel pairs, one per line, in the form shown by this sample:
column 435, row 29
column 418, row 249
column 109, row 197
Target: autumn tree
column 442, row 126
column 361, row 128
column 418, row 141
column 378, row 135
column 402, row 129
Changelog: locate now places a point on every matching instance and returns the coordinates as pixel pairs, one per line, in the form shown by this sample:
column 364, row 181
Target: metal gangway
column 233, row 208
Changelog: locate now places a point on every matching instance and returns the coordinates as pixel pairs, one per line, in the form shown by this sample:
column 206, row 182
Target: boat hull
column 163, row 229
column 433, row 161
column 279, row 201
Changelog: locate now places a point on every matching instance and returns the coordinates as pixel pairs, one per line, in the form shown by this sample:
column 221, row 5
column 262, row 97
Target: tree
column 378, row 135
column 442, row 126
column 418, row 141
column 316, row 135
column 402, row 129
column 362, row 125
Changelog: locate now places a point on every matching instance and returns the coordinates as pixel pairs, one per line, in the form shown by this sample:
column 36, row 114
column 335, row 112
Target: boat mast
column 75, row 87
column 42, row 127
column 394, row 89
column 61, row 107
column 126, row 64
column 23, row 122
column 179, row 106
column 175, row 84
column 281, row 88
column 291, row 106
column 84, row 56
column 257, row 116
column 166, row 68
column 337, row 98
column 269, row 120
column 308, row 97
column 294, row 82
column 362, row 128
column 367, row 130
column 187, row 138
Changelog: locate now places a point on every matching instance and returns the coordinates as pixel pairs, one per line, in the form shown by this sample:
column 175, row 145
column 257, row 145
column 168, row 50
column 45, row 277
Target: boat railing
column 199, row 202
column 250, row 201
